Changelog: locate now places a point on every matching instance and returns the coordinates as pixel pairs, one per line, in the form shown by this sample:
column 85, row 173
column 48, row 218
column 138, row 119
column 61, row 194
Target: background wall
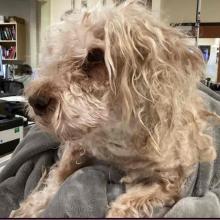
column 177, row 11
column 57, row 9
column 43, row 22
column 40, row 14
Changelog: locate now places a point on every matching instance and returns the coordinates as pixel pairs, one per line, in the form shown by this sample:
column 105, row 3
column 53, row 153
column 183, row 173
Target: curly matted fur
column 121, row 87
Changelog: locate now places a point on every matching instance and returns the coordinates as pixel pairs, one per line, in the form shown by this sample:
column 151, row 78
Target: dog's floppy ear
column 154, row 71
column 148, row 61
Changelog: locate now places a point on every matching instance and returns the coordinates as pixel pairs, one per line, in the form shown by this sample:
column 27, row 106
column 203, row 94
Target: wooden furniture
column 16, row 41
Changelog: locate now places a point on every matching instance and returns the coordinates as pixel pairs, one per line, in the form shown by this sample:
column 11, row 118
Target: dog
column 118, row 85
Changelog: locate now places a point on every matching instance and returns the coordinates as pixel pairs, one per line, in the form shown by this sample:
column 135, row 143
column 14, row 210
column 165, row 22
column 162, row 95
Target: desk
column 11, row 126
column 11, row 132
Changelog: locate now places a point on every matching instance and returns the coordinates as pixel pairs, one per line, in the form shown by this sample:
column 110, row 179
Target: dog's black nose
column 39, row 104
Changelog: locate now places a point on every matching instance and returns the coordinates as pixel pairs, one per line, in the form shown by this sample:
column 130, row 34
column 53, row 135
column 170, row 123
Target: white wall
column 43, row 22
column 24, row 9
column 32, row 56
column 156, row 6
column 57, row 9
column 178, row 11
column 210, row 11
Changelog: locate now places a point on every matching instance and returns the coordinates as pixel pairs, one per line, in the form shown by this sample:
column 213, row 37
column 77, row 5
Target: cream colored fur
column 138, row 109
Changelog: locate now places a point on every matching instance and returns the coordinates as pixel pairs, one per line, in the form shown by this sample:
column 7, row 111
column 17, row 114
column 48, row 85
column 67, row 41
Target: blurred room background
column 37, row 16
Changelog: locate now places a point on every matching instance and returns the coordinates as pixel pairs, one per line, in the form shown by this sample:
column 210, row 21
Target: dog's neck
column 118, row 144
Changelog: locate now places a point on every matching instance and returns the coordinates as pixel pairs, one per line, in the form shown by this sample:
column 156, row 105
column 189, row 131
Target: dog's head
column 112, row 63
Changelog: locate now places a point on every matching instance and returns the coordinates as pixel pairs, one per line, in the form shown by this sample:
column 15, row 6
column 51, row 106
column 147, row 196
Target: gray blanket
column 88, row 191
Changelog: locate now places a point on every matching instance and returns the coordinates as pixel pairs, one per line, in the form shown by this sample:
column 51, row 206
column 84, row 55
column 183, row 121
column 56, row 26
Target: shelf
column 10, row 23
column 17, row 42
column 12, row 61
column 7, row 41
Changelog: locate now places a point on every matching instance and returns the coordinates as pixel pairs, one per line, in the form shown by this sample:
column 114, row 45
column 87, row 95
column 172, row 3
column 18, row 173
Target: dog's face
column 72, row 94
column 112, row 64
column 72, row 97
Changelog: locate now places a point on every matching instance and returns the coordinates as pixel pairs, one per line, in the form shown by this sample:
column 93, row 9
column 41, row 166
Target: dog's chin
column 69, row 134
column 44, row 124
column 62, row 132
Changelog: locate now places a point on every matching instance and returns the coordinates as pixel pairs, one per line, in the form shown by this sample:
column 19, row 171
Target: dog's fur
column 122, row 88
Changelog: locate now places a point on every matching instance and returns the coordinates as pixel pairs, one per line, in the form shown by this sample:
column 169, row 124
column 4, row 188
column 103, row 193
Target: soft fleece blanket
column 87, row 192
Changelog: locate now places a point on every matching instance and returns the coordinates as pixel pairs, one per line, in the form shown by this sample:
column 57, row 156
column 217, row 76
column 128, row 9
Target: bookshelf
column 12, row 41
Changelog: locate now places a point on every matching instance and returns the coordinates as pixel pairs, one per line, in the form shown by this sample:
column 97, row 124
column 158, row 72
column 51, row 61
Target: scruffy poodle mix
column 118, row 85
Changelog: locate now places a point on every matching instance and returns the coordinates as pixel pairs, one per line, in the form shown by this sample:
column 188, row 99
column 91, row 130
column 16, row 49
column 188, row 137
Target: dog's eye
column 95, row 55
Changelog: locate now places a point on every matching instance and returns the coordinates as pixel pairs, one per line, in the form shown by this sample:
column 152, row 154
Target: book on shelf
column 7, row 33
column 8, row 53
column 2, row 71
